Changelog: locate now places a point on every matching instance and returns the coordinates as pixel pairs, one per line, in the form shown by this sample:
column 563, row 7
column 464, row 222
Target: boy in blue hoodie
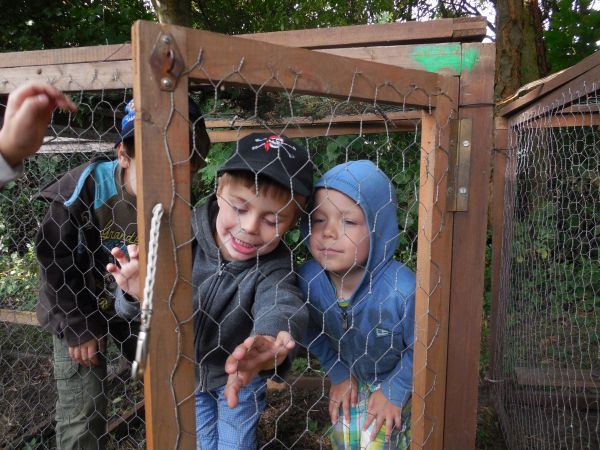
column 361, row 306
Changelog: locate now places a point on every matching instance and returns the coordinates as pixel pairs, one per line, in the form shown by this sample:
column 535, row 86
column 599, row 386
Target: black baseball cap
column 276, row 157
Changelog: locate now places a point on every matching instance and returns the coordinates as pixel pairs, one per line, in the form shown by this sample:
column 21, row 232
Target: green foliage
column 18, row 278
column 38, row 24
column 243, row 16
column 574, row 30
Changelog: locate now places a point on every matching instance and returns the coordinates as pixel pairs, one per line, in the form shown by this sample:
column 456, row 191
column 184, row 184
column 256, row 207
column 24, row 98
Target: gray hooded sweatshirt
column 236, row 299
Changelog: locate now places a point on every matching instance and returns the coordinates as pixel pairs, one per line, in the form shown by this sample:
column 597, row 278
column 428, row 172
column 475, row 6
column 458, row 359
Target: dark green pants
column 82, row 401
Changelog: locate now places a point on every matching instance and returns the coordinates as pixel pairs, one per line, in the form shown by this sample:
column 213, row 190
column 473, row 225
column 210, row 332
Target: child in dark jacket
column 361, row 307
column 92, row 210
column 244, row 285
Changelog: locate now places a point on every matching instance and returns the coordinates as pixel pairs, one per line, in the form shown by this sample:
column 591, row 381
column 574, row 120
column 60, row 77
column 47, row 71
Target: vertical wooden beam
column 162, row 140
column 434, row 251
column 468, row 255
column 500, row 163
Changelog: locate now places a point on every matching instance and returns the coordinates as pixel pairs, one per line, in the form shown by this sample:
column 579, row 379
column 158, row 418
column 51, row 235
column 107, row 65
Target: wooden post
column 434, row 252
column 468, row 255
column 161, row 139
column 500, row 161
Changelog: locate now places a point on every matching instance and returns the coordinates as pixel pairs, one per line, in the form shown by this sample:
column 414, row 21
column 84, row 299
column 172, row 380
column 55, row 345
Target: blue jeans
column 220, row 427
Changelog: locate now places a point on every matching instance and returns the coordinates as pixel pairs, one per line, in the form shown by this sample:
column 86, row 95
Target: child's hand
column 86, row 354
column 344, row 394
column 127, row 273
column 381, row 410
column 255, row 354
column 26, row 119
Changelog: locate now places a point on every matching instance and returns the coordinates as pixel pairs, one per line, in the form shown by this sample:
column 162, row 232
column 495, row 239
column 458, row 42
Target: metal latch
column 166, row 61
column 460, row 165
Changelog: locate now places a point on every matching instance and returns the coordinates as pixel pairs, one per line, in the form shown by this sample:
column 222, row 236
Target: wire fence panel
column 30, row 371
column 547, row 344
column 359, row 319
column 273, row 87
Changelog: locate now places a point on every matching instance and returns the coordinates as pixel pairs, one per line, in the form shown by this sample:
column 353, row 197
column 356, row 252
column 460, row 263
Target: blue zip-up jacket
column 377, row 346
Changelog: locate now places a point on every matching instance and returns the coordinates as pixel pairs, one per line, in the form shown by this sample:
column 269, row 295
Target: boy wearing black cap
column 244, row 285
column 92, row 210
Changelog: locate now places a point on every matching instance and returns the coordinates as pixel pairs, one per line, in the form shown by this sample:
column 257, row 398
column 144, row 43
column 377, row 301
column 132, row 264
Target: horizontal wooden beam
column 305, row 132
column 565, row 121
column 75, row 77
column 550, row 84
column 74, row 55
column 553, row 102
column 226, row 60
column 390, row 117
column 558, row 377
column 18, row 317
column 465, row 29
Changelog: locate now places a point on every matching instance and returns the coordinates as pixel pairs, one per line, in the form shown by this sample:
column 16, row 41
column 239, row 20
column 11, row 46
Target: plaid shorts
column 350, row 435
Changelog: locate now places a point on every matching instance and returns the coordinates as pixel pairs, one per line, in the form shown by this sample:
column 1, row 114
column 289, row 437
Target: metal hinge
column 460, row 165
column 166, row 61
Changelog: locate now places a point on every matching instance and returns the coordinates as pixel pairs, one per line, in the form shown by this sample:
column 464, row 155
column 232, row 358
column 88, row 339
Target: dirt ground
column 295, row 418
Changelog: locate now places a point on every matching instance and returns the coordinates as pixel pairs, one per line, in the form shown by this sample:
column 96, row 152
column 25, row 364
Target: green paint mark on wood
column 434, row 58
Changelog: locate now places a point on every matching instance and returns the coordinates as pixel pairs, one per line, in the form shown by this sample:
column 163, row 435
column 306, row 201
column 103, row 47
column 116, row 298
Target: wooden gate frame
column 449, row 410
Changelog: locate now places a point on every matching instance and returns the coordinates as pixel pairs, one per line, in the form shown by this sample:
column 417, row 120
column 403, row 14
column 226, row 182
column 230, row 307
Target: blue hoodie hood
column 368, row 186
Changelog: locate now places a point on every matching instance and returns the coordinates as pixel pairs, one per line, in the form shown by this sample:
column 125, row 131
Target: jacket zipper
column 344, row 317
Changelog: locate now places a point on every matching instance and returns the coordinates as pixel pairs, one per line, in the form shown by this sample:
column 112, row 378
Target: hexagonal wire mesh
column 546, row 351
column 369, row 298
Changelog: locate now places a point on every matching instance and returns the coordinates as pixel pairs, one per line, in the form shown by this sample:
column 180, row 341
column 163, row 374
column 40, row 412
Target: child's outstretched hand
column 127, row 273
column 344, row 394
column 28, row 112
column 381, row 410
column 255, row 354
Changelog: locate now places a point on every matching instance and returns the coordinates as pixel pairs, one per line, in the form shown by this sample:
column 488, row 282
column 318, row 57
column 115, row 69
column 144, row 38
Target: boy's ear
column 124, row 160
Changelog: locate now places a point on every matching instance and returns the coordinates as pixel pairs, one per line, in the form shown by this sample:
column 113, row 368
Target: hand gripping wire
column 141, row 353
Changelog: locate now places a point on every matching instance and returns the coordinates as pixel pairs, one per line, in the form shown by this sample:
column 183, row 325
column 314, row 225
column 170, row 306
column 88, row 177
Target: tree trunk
column 520, row 49
column 175, row 12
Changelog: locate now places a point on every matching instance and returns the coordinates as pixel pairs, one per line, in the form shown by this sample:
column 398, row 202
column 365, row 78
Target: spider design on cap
column 275, row 142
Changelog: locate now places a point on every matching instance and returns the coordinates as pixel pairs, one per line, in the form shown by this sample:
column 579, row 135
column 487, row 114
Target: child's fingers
column 371, row 416
column 334, row 410
column 133, row 250
column 285, row 339
column 346, row 408
column 231, row 364
column 381, row 419
column 232, row 390
column 354, row 395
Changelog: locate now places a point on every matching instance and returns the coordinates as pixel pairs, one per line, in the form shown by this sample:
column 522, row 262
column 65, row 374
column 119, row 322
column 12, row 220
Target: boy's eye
column 270, row 221
column 238, row 209
column 349, row 222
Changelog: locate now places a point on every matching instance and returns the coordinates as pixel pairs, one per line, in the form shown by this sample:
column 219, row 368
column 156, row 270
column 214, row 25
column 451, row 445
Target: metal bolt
column 462, row 190
column 466, row 143
column 166, row 39
column 450, row 189
column 166, row 83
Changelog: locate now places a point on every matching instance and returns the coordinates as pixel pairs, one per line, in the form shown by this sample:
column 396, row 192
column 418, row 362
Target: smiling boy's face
column 339, row 239
column 249, row 224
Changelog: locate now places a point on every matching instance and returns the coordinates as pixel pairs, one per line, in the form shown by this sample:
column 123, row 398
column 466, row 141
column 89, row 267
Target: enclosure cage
column 416, row 99
column 546, row 271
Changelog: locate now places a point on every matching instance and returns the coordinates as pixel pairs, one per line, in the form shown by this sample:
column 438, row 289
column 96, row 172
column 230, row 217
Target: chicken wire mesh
column 30, row 374
column 547, row 366
column 333, row 132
